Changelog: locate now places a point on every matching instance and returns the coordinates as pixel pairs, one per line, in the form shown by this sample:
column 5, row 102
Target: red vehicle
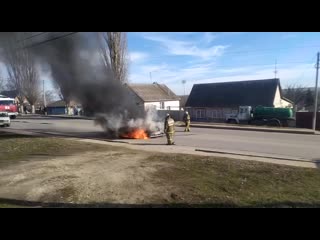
column 8, row 105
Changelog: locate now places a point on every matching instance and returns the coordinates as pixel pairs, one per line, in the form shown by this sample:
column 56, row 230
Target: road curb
column 254, row 155
column 307, row 132
column 67, row 117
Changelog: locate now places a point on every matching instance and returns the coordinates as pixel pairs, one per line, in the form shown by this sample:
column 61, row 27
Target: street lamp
column 184, row 85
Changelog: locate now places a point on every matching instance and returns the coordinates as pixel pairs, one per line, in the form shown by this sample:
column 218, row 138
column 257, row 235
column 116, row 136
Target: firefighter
column 169, row 129
column 186, row 119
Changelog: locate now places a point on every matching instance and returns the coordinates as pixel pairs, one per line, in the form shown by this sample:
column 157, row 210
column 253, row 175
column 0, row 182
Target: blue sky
column 202, row 57
column 199, row 57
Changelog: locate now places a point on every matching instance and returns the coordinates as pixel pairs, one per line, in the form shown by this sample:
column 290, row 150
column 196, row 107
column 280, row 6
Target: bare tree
column 50, row 96
column 309, row 101
column 22, row 70
column 115, row 55
column 58, row 92
column 31, row 81
column 295, row 93
column 14, row 66
column 2, row 82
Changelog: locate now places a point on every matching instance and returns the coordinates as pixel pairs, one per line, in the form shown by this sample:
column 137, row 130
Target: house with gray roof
column 214, row 101
column 157, row 96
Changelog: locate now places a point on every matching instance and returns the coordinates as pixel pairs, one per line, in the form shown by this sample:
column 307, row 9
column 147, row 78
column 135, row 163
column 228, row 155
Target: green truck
column 279, row 117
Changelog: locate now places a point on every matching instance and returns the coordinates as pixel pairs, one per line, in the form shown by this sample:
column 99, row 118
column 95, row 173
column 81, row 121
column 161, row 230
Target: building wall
column 211, row 114
column 166, row 105
column 175, row 114
column 56, row 110
column 279, row 102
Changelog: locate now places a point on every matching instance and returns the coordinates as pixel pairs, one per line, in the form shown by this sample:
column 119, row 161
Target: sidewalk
column 226, row 126
column 69, row 117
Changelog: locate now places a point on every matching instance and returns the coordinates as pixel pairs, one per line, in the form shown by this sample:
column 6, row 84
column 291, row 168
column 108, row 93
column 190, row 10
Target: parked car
column 4, row 119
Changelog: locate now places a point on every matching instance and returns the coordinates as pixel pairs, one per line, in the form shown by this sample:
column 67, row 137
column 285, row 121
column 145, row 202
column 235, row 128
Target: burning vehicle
column 120, row 127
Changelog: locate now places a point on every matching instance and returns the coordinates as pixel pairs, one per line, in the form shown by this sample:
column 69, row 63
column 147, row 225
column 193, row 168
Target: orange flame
column 136, row 134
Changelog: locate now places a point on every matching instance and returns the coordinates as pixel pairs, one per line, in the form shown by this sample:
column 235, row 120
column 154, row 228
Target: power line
column 272, row 49
column 307, row 68
column 261, row 64
column 33, row 36
column 252, row 65
column 227, row 53
column 50, row 40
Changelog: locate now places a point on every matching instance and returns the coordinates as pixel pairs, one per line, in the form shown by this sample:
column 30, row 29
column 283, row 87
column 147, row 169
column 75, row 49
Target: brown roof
column 153, row 92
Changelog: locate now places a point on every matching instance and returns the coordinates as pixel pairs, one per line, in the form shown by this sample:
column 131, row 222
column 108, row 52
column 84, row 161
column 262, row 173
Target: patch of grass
column 5, row 205
column 209, row 181
column 16, row 148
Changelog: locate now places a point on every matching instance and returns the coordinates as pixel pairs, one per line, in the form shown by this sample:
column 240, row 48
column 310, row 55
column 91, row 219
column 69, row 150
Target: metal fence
column 304, row 120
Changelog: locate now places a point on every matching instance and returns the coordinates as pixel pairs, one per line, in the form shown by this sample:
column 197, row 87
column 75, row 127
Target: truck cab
column 8, row 105
column 244, row 115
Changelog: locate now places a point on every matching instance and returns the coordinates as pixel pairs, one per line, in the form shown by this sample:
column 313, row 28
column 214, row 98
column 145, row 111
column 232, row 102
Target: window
column 161, row 105
column 6, row 102
column 201, row 113
column 214, row 114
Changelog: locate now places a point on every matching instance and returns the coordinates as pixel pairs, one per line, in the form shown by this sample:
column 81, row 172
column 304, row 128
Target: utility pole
column 150, row 77
column 44, row 96
column 184, row 86
column 316, row 95
column 275, row 69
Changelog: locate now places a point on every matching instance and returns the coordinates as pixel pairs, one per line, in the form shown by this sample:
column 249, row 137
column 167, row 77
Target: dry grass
column 210, row 181
column 17, row 148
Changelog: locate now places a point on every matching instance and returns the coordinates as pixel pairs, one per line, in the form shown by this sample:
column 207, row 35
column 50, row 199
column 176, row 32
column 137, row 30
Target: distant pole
column 275, row 69
column 151, row 77
column 316, row 95
column 184, row 86
column 44, row 96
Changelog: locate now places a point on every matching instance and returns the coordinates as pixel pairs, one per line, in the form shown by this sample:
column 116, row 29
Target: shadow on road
column 150, row 144
column 317, row 162
column 23, row 203
column 20, row 118
column 4, row 135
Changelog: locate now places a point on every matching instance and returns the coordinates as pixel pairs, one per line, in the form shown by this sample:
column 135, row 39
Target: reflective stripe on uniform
column 170, row 122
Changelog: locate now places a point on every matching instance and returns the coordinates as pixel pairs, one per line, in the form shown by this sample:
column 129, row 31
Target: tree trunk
column 21, row 109
column 33, row 109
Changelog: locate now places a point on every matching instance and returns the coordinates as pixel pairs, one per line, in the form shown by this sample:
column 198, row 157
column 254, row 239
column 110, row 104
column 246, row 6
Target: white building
column 157, row 96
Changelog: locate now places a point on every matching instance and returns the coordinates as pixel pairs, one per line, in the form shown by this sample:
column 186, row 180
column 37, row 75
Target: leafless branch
column 21, row 69
column 115, row 55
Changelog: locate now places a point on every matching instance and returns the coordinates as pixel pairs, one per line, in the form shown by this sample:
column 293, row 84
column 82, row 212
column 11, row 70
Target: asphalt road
column 273, row 144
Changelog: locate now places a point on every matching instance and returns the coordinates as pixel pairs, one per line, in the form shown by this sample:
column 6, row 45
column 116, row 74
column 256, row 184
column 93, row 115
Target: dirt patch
column 92, row 177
